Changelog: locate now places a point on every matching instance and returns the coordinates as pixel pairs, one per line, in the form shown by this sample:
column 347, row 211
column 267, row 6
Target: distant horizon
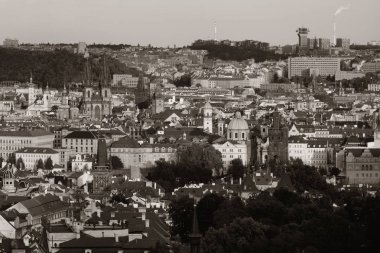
column 154, row 46
column 175, row 22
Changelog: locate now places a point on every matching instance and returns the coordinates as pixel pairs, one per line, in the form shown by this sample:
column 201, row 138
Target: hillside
column 54, row 67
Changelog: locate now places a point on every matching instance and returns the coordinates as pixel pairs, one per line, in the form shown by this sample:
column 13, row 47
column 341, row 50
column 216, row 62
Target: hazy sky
column 180, row 22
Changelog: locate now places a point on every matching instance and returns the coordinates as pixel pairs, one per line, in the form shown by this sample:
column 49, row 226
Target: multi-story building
column 344, row 43
column 360, row 165
column 10, row 42
column 280, row 87
column 83, row 142
column 37, row 209
column 11, row 141
column 301, row 66
column 135, row 156
column 31, row 155
column 82, row 162
column 237, row 144
column 317, row 152
column 82, row 48
column 374, row 86
column 302, row 37
column 6, row 105
column 348, row 75
column 124, row 80
column 324, row 44
column 371, row 67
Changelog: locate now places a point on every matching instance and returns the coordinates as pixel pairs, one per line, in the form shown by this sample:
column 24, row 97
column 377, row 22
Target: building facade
column 301, row 66
column 12, row 141
column 31, row 155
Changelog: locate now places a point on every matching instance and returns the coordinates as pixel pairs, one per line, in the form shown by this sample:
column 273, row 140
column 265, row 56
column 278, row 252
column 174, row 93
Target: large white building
column 317, row 152
column 83, row 142
column 135, row 156
column 12, row 141
column 236, row 146
column 303, row 66
column 31, row 155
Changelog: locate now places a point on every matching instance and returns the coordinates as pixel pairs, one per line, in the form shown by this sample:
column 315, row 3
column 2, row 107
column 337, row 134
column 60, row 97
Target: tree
column 54, row 108
column 334, row 171
column 241, row 236
column 116, row 163
column 206, row 208
column 48, row 164
column 228, row 211
column 183, row 81
column 39, row 164
column 198, row 161
column 11, row 158
column 236, row 168
column 20, row 164
column 1, row 161
column 181, row 213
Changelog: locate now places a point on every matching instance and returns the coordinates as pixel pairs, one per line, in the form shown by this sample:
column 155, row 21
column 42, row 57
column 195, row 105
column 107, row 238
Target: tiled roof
column 27, row 133
column 83, row 135
column 43, row 204
column 126, row 142
column 37, row 150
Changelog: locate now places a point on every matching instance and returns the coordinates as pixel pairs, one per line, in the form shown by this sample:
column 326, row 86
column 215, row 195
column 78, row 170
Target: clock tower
column 101, row 172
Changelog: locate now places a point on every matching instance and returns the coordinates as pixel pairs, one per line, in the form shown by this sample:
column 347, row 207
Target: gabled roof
column 43, row 204
column 37, row 150
column 126, row 142
column 26, row 133
column 83, row 135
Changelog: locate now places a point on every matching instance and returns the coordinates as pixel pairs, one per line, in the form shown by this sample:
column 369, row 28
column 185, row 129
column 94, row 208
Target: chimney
column 143, row 217
column 77, row 235
column 151, row 140
column 240, row 180
column 147, row 223
column 26, row 240
column 116, row 238
column 232, row 180
column 98, row 212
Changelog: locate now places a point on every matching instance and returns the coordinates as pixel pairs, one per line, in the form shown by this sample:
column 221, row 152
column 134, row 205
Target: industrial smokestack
column 334, row 38
column 215, row 31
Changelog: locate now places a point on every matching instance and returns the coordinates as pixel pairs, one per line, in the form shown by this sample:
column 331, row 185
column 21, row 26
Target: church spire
column 195, row 236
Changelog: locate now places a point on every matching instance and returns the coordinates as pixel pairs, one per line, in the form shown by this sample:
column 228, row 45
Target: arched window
column 243, row 136
column 88, row 93
column 105, row 93
column 236, row 135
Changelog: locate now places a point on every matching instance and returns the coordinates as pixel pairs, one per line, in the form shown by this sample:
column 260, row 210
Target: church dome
column 238, row 123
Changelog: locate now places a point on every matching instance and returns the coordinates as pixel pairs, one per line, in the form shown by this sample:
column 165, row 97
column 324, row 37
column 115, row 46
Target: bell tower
column 207, row 118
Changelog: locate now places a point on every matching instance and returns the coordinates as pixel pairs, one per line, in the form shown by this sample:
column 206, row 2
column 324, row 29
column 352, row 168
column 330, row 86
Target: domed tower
column 207, row 118
column 238, row 129
column 9, row 179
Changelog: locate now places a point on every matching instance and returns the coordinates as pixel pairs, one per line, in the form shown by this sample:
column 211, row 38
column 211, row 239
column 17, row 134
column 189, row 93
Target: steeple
column 195, row 236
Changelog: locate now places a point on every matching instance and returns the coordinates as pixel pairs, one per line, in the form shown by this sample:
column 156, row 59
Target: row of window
column 15, row 141
column 81, row 142
column 367, row 175
column 231, row 156
column 231, row 150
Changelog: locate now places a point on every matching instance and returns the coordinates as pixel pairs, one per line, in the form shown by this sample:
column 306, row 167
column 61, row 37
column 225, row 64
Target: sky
column 180, row 22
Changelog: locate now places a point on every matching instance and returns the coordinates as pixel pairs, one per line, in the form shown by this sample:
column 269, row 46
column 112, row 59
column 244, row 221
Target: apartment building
column 303, row 66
